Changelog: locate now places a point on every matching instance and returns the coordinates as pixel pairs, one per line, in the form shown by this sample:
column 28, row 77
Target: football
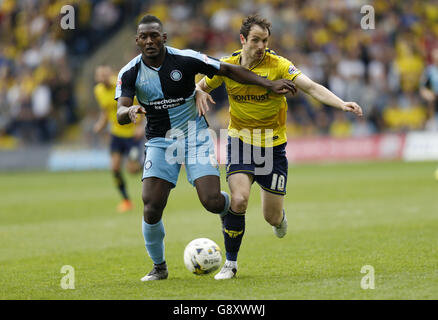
column 202, row 256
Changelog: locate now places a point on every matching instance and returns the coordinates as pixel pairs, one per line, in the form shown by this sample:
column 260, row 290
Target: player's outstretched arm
column 324, row 95
column 126, row 112
column 243, row 75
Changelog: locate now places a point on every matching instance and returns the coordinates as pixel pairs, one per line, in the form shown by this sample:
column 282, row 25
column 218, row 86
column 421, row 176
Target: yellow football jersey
column 105, row 98
column 253, row 109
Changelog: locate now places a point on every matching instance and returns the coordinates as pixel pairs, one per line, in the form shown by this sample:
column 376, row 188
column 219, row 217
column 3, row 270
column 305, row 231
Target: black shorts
column 268, row 166
column 123, row 145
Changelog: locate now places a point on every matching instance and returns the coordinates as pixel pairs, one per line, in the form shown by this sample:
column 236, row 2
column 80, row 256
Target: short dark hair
column 252, row 20
column 150, row 19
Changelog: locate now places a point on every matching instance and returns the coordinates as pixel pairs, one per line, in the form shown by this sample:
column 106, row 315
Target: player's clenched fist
column 352, row 107
column 133, row 111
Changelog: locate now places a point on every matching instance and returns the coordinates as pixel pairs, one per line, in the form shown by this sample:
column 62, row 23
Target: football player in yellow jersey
column 257, row 129
column 124, row 138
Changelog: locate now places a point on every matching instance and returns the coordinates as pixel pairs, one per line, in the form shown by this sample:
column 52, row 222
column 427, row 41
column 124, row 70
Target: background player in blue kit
column 163, row 80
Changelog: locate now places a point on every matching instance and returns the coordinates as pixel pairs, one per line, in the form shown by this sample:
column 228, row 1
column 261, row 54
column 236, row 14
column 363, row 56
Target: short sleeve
column 125, row 86
column 207, row 65
column 288, row 70
column 214, row 82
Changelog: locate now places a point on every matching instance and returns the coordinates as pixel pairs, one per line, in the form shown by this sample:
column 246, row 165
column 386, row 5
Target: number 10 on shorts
column 277, row 182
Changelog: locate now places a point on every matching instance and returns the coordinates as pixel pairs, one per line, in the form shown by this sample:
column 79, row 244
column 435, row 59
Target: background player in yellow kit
column 258, row 127
column 125, row 139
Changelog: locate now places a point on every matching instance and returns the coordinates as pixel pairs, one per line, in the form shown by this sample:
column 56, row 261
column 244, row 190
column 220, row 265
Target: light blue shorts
column 164, row 157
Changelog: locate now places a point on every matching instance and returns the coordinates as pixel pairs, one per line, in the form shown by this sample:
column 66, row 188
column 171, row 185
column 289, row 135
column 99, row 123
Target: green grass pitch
column 341, row 218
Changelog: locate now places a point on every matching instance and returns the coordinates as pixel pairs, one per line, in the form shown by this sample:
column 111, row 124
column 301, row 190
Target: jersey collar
column 158, row 68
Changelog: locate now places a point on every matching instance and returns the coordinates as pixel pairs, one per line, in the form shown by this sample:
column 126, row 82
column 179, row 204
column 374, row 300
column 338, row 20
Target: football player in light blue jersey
column 163, row 80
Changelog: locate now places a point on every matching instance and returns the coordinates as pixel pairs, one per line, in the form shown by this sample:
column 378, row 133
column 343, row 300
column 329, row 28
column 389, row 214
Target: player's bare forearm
column 126, row 112
column 202, row 85
column 243, row 75
column 123, row 104
column 123, row 115
column 325, row 96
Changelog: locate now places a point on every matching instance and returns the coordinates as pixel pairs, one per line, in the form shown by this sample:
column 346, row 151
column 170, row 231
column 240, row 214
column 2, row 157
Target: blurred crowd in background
column 384, row 69
column 39, row 61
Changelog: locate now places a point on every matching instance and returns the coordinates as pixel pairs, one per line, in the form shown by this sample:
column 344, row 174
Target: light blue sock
column 154, row 240
column 227, row 203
